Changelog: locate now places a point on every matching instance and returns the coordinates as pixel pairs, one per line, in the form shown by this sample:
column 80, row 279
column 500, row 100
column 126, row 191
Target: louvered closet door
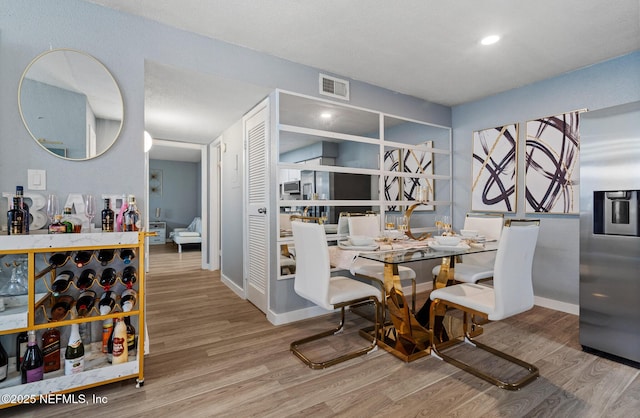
column 256, row 131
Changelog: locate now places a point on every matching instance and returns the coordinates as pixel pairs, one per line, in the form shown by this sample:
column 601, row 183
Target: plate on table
column 439, row 247
column 346, row 245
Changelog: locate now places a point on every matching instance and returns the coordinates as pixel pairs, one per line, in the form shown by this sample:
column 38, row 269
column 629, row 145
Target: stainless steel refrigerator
column 610, row 232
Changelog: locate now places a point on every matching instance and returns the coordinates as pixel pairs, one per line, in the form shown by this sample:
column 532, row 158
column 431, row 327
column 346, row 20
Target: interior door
column 256, row 262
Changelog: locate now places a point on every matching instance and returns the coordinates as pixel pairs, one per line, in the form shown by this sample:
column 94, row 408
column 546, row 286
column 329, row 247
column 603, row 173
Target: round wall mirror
column 70, row 104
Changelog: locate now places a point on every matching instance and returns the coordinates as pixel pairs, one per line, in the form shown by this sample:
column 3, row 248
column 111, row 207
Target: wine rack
column 44, row 307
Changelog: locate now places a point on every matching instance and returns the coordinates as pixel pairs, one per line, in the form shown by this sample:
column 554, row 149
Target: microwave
column 291, row 187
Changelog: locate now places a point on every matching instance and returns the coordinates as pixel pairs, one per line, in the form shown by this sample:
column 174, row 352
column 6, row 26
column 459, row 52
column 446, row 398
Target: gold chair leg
column 532, row 370
column 296, row 345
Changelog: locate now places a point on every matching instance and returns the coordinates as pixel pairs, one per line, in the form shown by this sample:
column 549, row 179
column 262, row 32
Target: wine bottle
column 25, row 208
column 132, row 340
column 107, row 217
column 120, row 216
column 128, row 300
column 61, row 306
column 82, row 258
column 120, row 351
column 74, row 354
column 127, row 255
column 51, row 350
column 132, row 221
column 105, row 255
column 15, row 218
column 21, row 348
column 86, row 279
column 85, row 303
column 4, row 363
column 32, row 367
column 61, row 283
column 108, row 278
column 107, row 302
column 129, row 276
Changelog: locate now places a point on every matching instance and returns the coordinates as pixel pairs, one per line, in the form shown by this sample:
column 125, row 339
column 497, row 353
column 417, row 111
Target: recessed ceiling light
column 325, row 115
column 489, row 40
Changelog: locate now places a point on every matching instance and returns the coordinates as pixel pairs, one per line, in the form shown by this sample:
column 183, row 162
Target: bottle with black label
column 32, row 367
column 25, row 208
column 86, row 279
column 132, row 220
column 51, row 350
column 15, row 218
column 4, row 363
column 107, row 217
column 105, row 255
column 132, row 339
column 107, row 302
column 61, row 283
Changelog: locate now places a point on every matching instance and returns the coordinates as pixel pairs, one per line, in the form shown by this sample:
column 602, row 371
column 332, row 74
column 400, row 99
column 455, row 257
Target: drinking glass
column 52, row 207
column 90, row 209
column 323, row 217
column 389, row 222
column 403, row 223
column 446, row 224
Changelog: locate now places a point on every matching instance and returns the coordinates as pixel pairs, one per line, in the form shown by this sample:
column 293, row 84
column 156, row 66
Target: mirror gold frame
column 70, row 104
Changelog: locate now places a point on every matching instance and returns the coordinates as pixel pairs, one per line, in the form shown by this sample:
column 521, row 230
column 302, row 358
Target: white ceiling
column 425, row 48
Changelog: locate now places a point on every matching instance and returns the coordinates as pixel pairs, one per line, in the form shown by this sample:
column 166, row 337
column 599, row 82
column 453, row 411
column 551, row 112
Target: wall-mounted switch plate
column 36, row 179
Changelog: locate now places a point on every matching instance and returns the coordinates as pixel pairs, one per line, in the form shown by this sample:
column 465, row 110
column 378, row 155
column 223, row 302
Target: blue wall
column 611, row 83
column 180, row 200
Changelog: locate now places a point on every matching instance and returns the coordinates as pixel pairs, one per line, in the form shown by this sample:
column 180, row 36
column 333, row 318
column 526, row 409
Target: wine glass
column 446, row 224
column 15, row 287
column 90, row 209
column 52, row 207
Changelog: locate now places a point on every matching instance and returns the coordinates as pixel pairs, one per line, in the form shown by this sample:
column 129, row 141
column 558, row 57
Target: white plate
column 460, row 246
column 346, row 245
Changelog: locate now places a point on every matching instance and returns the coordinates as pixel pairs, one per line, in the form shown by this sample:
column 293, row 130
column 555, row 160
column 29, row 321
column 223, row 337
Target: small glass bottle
column 132, row 220
column 57, row 227
column 72, row 223
column 107, row 217
column 15, row 218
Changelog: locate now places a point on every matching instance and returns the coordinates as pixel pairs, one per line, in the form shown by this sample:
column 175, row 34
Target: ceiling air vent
column 334, row 87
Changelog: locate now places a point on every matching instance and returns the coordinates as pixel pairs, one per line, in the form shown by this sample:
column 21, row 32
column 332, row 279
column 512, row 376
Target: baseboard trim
column 231, row 285
column 293, row 316
column 557, row 305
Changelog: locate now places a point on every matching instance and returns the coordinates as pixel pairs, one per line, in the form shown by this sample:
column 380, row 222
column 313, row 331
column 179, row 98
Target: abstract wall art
column 392, row 162
column 551, row 164
column 494, row 169
column 418, row 162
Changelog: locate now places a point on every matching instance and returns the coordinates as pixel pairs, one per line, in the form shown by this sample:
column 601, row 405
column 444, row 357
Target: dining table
column 403, row 336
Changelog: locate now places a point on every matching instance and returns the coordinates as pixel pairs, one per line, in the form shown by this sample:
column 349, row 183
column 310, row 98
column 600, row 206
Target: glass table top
column 424, row 253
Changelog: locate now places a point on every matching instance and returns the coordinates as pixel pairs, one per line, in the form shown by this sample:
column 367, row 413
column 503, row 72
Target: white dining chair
column 511, row 294
column 370, row 226
column 313, row 281
column 477, row 267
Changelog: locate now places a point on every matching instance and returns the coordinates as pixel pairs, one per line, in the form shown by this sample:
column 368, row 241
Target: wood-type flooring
column 213, row 354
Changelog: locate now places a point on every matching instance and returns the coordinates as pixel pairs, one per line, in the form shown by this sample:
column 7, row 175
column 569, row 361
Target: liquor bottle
column 82, row 258
column 51, row 350
column 74, row 354
column 57, row 227
column 85, row 303
column 61, row 283
column 21, row 348
column 107, row 302
column 132, row 340
column 108, row 278
column 120, row 216
column 4, row 363
column 132, row 221
column 86, row 279
column 107, row 331
column 15, row 218
column 119, row 352
column 128, row 300
column 25, row 208
column 72, row 223
column 32, row 366
column 107, row 217
column 61, row 306
column 129, row 276
column 127, row 254
column 105, row 255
